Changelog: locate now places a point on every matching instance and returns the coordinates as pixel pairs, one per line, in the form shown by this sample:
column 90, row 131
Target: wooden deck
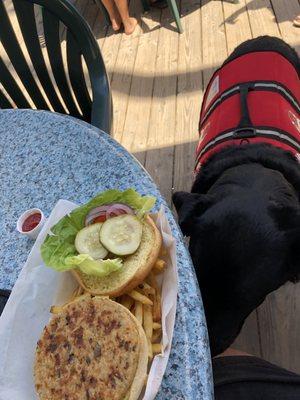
column 157, row 79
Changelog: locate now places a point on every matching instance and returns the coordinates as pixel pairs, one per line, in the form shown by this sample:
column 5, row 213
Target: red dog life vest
column 252, row 99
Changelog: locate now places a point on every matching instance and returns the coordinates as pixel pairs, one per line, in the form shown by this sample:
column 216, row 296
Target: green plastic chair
column 173, row 8
column 80, row 43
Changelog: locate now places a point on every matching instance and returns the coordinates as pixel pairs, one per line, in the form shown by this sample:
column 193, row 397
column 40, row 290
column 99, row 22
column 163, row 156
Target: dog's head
column 244, row 242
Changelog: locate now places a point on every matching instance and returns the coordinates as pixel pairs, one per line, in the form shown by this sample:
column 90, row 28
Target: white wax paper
column 38, row 288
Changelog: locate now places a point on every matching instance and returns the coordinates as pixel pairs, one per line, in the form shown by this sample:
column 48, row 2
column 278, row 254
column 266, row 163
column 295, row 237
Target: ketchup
column 31, row 222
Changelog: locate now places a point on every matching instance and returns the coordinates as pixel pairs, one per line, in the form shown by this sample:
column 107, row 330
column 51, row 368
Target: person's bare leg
column 129, row 22
column 233, row 352
column 114, row 15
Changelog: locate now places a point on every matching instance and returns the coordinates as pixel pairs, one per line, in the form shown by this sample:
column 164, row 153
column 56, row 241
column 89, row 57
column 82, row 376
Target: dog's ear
column 189, row 206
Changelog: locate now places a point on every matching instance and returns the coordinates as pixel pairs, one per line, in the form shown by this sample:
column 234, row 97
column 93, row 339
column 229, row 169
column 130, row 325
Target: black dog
column 243, row 219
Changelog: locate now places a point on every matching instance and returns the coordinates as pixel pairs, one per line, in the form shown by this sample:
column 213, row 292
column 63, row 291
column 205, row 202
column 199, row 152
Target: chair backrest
column 64, row 86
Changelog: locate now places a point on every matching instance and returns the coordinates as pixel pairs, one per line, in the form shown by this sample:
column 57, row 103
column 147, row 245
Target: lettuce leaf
column 58, row 250
column 89, row 266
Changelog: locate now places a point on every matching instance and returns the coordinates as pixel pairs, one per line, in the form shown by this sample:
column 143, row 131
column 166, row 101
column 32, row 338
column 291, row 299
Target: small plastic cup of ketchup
column 31, row 222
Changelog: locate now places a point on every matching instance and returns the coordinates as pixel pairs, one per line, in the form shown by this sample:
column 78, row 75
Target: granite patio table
column 45, row 157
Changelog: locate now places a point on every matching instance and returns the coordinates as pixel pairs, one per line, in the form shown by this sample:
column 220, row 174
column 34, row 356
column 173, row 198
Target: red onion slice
column 108, row 210
column 96, row 212
column 99, row 209
column 118, row 209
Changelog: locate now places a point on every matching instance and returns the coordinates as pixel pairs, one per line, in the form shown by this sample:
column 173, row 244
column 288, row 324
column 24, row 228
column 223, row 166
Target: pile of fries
column 144, row 302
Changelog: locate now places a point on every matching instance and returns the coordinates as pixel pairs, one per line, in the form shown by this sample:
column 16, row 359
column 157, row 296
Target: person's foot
column 116, row 24
column 130, row 25
column 296, row 21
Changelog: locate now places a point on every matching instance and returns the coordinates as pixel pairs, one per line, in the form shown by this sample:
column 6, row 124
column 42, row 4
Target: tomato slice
column 104, row 215
column 101, row 218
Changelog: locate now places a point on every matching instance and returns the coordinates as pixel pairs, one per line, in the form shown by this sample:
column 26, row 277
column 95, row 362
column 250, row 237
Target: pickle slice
column 87, row 241
column 121, row 235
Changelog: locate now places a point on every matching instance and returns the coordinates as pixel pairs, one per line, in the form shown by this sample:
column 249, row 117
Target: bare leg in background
column 129, row 23
column 114, row 15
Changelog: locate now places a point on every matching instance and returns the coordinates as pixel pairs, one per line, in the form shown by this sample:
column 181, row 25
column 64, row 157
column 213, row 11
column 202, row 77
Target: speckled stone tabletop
column 45, row 157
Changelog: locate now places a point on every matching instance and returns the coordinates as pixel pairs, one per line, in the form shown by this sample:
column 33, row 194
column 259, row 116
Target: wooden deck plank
column 189, row 95
column 135, row 133
column 213, row 37
column 238, row 28
column 110, row 48
column 249, row 338
column 280, row 326
column 285, row 12
column 262, row 18
column 160, row 144
column 122, row 74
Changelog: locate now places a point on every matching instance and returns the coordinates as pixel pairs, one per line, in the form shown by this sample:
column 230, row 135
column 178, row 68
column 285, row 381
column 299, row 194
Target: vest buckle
column 245, row 132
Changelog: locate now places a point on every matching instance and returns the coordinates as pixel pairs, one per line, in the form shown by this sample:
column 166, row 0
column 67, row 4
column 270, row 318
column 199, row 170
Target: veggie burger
column 94, row 349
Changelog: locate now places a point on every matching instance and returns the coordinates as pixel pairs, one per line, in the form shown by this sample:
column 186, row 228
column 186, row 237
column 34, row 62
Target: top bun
column 136, row 267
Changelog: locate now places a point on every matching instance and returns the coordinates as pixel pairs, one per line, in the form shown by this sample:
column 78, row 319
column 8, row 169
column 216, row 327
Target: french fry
column 156, row 298
column 140, row 297
column 156, row 335
column 80, row 291
column 156, row 326
column 152, row 281
column 157, row 308
column 148, row 321
column 159, row 266
column 156, row 348
column 147, row 325
column 74, row 293
column 148, row 328
column 146, row 288
column 138, row 311
column 127, row 301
